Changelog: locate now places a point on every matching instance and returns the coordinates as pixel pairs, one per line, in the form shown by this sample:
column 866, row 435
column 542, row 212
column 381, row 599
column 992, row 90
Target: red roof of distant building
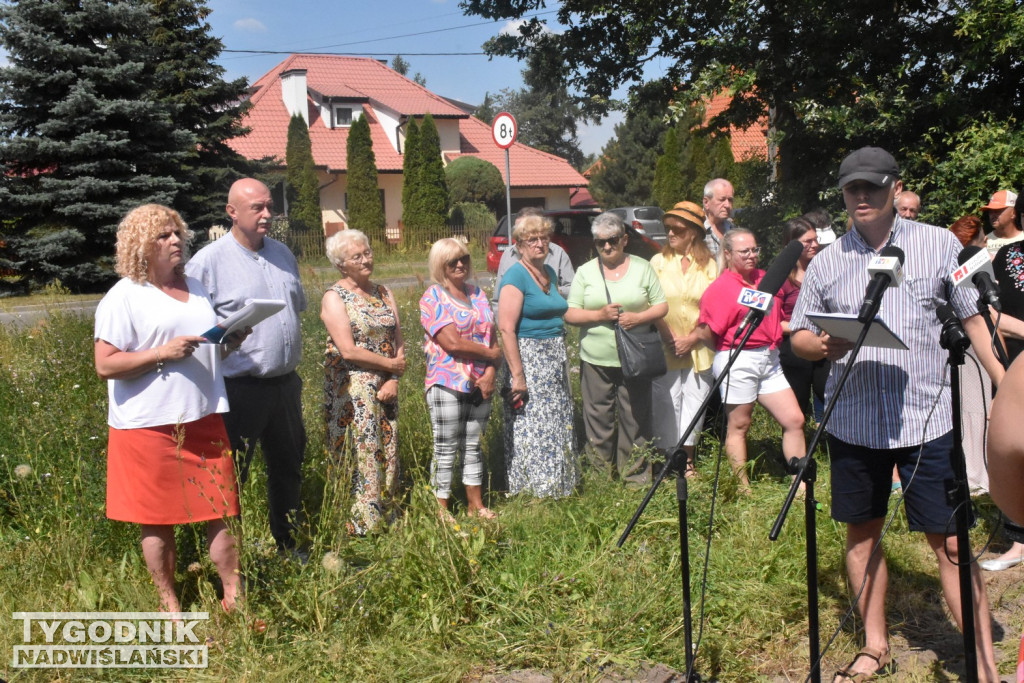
column 376, row 86
column 747, row 142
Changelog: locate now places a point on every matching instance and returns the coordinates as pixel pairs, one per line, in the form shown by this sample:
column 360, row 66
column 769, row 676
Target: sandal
column 885, row 667
column 690, row 472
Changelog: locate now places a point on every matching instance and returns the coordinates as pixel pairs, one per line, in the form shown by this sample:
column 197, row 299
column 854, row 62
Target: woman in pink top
column 756, row 374
column 461, row 349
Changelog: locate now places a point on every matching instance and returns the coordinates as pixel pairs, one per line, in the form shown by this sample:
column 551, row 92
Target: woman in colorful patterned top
column 461, row 349
column 364, row 359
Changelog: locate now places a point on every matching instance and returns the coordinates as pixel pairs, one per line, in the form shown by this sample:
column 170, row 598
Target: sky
column 416, row 29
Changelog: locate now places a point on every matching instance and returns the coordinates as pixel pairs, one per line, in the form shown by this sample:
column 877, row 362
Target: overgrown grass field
column 541, row 588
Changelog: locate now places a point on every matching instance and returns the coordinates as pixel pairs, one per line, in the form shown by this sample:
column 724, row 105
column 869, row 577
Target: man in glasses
column 556, row 258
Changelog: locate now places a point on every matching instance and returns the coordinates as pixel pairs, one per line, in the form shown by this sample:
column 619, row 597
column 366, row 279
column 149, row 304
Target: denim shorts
column 862, row 482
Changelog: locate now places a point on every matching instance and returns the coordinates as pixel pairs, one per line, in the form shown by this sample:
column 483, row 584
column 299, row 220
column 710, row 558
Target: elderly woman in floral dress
column 364, row 359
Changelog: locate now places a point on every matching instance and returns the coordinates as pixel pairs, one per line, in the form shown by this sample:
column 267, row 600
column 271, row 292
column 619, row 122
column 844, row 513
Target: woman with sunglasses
column 614, row 288
column 685, row 268
column 806, row 378
column 540, row 448
column 365, row 357
column 756, row 375
column 462, row 351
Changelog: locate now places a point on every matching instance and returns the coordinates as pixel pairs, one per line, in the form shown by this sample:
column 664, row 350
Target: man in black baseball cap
column 897, row 409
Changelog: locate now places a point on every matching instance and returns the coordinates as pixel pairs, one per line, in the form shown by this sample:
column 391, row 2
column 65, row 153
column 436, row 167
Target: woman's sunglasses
column 599, row 242
column 463, row 260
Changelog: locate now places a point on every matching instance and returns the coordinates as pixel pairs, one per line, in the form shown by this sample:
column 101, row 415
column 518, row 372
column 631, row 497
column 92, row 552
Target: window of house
column 342, row 117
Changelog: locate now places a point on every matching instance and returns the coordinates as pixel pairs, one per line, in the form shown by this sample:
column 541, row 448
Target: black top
column 1009, row 267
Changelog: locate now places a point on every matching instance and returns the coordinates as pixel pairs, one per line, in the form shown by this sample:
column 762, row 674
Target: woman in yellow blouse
column 685, row 268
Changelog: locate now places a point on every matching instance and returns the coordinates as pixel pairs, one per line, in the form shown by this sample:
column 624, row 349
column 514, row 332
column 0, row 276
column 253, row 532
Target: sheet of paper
column 848, row 327
column 256, row 311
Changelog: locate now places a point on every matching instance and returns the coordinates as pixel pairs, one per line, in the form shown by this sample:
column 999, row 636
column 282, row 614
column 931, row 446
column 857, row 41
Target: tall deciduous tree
column 545, row 112
column 365, row 210
column 301, row 182
column 823, row 78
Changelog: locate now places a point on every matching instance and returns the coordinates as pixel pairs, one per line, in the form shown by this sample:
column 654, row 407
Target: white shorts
column 755, row 372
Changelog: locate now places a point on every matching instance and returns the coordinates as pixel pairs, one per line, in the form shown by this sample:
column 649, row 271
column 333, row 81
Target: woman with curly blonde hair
column 168, row 458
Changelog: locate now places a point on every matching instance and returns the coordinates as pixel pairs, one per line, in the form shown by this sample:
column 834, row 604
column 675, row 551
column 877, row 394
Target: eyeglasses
column 612, row 242
column 361, row 258
column 462, row 260
column 744, row 253
column 537, row 240
column 807, row 243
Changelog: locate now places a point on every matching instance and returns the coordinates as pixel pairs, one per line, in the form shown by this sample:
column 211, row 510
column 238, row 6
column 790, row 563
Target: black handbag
column 640, row 349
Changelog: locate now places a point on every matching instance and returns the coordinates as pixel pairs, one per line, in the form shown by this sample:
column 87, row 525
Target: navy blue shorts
column 862, row 482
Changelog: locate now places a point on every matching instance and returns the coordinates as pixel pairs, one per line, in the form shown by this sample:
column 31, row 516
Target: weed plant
column 543, row 587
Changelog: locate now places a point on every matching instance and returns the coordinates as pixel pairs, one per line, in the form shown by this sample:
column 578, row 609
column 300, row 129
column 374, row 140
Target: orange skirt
column 171, row 474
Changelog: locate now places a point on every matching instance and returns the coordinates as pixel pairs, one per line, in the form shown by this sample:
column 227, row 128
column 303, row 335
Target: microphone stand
column 805, row 470
column 955, row 341
column 678, row 456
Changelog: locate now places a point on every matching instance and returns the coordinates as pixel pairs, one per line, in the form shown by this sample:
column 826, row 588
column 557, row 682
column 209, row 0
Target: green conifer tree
column 410, row 167
column 668, row 178
column 301, row 182
column 430, row 196
column 365, row 211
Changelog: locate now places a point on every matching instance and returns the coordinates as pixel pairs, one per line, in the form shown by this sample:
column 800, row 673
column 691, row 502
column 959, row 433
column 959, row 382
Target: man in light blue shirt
column 896, row 407
column 264, row 390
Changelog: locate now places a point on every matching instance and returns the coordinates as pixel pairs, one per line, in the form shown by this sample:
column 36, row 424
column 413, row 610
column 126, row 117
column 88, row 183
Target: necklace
column 544, row 283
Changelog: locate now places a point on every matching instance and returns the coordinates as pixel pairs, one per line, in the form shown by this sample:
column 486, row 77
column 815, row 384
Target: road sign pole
column 508, row 196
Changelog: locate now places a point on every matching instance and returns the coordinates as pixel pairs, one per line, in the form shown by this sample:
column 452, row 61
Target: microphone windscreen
column 966, row 254
column 781, row 267
column 893, row 252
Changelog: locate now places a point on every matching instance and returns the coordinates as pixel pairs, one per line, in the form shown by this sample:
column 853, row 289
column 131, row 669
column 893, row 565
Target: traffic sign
column 504, row 130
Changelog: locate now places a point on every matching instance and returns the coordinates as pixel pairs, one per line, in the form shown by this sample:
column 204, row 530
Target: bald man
column 908, row 205
column 264, row 390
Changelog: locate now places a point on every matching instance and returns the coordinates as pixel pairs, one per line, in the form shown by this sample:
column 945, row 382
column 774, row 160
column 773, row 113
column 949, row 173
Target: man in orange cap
column 1003, row 219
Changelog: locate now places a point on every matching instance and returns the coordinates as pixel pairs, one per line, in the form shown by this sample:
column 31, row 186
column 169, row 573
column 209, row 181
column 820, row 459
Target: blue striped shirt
column 888, row 397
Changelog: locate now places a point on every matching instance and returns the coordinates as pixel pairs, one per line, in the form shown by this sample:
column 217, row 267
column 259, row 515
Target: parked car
column 572, row 233
column 646, row 220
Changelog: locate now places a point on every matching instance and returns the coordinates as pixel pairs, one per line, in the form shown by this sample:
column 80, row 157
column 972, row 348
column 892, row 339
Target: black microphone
column 886, row 270
column 770, row 284
column 952, row 335
column 976, row 265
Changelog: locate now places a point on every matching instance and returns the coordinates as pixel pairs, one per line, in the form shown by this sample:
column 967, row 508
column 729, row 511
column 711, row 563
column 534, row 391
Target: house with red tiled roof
column 330, row 92
column 747, row 143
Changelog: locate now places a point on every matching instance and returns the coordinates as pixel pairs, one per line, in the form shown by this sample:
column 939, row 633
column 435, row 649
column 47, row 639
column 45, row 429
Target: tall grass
column 543, row 587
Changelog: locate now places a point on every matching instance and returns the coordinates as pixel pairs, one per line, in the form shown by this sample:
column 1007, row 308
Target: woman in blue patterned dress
column 364, row 359
column 540, row 447
column 462, row 350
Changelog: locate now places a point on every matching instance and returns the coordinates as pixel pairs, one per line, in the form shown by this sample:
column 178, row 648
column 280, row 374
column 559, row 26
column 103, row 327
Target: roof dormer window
column 342, row 115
